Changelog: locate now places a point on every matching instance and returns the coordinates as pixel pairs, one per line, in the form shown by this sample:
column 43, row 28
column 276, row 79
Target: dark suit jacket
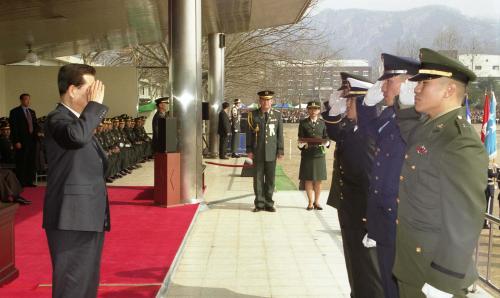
column 76, row 196
column 19, row 132
column 224, row 127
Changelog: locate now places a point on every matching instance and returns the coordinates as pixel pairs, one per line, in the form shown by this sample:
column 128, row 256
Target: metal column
column 185, row 81
column 216, row 46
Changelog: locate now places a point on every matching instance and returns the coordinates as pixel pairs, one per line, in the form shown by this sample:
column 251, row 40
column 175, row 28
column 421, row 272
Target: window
column 478, row 67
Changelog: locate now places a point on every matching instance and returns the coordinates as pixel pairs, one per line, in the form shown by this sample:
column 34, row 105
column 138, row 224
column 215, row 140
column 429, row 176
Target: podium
column 167, row 188
column 8, row 270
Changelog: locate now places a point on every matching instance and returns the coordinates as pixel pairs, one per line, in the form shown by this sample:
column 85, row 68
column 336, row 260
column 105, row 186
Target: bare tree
column 448, row 39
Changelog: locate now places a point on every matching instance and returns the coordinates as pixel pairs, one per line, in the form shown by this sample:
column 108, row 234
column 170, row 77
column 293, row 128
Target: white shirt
column 72, row 111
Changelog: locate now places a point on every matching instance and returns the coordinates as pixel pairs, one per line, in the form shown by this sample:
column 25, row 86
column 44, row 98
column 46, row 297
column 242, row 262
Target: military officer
column 441, row 191
column 313, row 139
column 264, row 146
column 235, row 127
column 388, row 159
column 158, row 120
column 353, row 159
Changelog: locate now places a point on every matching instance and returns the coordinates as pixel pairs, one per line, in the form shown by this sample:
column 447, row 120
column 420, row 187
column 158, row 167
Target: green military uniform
column 441, row 193
column 265, row 141
column 312, row 162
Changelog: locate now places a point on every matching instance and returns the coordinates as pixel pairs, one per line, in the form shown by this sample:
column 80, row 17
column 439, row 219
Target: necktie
column 30, row 121
column 266, row 116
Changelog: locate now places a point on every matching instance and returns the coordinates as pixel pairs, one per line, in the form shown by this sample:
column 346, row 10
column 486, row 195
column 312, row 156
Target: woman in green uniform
column 313, row 139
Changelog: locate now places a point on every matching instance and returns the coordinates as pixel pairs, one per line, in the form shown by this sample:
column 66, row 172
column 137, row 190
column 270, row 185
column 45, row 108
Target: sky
column 474, row 8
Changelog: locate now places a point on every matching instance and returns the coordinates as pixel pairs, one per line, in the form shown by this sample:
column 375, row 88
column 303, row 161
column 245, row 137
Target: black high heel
column 317, row 207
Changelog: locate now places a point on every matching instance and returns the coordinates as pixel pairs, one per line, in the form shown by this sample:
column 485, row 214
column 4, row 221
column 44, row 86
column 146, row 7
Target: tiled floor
column 232, row 252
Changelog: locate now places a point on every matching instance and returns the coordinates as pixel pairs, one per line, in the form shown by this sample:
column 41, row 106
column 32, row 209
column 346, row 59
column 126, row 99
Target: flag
column 490, row 141
column 486, row 115
column 467, row 110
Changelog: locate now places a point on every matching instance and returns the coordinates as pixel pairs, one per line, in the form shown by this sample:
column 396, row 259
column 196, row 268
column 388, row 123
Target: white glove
column 407, row 93
column 326, row 144
column 432, row 292
column 367, row 242
column 374, row 94
column 338, row 107
column 302, row 145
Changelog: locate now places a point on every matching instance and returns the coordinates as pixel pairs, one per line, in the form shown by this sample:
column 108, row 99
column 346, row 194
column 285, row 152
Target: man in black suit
column 76, row 210
column 223, row 129
column 23, row 135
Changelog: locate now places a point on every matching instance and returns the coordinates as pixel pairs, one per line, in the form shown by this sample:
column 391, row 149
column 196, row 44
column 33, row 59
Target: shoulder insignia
column 462, row 125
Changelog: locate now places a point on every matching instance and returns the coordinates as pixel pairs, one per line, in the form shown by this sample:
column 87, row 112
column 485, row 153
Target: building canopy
column 66, row 27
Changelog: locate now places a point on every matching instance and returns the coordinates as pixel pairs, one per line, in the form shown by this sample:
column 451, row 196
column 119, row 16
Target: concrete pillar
column 185, row 81
column 216, row 46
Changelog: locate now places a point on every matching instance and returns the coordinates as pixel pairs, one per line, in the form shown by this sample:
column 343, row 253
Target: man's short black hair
column 225, row 105
column 23, row 95
column 72, row 74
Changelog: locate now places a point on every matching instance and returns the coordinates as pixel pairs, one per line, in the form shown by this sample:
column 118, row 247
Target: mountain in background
column 364, row 34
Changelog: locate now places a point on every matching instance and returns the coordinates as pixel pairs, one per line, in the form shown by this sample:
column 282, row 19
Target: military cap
column 345, row 84
column 396, row 65
column 313, row 105
column 4, row 125
column 266, row 94
column 116, row 119
column 358, row 87
column 162, row 99
column 435, row 65
column 237, row 100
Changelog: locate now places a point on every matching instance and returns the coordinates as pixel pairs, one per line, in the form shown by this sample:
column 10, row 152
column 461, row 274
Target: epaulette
column 463, row 126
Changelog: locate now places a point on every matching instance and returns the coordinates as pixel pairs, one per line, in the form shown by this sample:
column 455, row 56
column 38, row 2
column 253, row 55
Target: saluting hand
column 96, row 92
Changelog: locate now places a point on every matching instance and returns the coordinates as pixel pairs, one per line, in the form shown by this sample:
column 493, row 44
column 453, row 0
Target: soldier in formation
column 353, row 159
column 442, row 182
column 388, row 159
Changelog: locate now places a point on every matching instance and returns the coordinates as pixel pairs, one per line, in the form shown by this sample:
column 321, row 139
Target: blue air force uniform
column 381, row 211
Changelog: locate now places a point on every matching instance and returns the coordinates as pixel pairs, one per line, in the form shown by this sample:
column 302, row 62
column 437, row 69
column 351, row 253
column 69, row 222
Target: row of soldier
column 408, row 180
column 126, row 143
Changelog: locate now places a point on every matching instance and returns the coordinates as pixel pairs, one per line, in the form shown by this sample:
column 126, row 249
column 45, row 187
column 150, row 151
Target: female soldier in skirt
column 313, row 139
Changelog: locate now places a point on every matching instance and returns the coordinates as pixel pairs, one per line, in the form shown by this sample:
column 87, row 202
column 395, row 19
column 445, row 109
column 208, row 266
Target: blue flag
column 467, row 110
column 490, row 140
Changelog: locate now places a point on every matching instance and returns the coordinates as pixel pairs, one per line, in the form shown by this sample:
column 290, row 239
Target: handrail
column 486, row 279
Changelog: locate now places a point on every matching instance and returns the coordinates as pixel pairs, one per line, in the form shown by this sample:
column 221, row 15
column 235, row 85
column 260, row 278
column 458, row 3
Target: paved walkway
column 232, row 252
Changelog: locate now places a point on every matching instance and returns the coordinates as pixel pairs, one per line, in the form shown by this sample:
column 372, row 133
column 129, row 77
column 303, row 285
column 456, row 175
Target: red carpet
column 139, row 249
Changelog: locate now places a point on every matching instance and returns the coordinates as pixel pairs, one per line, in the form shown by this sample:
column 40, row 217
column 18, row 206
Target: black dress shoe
column 109, row 180
column 223, row 157
column 317, row 207
column 21, row 200
column 270, row 209
column 309, row 208
column 30, row 185
column 235, row 155
column 257, row 209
